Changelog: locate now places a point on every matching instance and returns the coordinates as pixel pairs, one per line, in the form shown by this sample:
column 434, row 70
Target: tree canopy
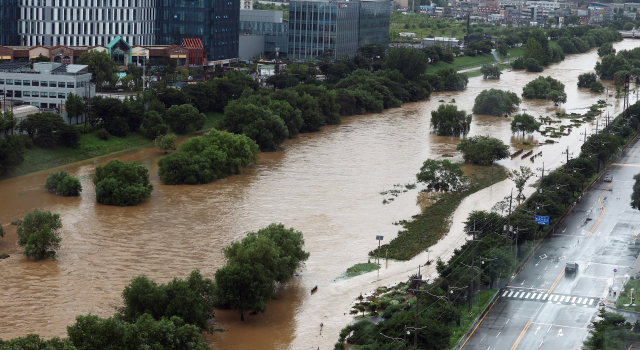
column 11, row 153
column 42, row 128
column 165, row 142
column 182, row 118
column 258, row 123
column 585, row 80
column 490, row 71
column 441, row 174
column 122, row 184
column 62, row 183
column 39, row 234
column 496, row 102
column 203, row 159
column 541, row 87
column 448, row 121
column 525, row 123
column 102, row 67
column 483, row 150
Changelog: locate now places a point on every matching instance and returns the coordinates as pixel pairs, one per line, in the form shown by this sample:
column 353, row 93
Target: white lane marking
column 573, row 300
column 507, row 321
column 545, row 296
column 498, row 334
column 561, row 299
column 585, row 301
column 516, row 295
column 527, row 295
column 541, row 343
column 560, row 333
column 539, row 295
column 555, row 297
column 522, row 282
column 537, row 329
column 507, row 293
column 580, row 300
column 534, row 295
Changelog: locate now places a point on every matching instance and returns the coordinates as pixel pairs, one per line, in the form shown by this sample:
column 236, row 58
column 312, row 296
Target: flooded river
column 325, row 184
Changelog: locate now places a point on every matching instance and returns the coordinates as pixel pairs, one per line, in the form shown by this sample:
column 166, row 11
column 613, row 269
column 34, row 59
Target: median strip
column 524, row 330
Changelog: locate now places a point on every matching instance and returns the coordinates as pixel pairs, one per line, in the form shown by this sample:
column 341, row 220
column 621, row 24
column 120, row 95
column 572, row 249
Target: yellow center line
column 624, row 165
column 482, row 319
column 556, row 281
column 524, row 330
column 601, row 214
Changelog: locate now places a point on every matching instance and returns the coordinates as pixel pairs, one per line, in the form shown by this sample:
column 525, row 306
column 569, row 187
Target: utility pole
column 415, row 330
column 473, row 261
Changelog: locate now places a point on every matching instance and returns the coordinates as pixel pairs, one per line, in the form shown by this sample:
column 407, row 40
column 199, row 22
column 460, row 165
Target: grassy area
column 625, row 296
column 359, row 269
column 458, row 331
column 91, row 146
column 464, row 62
column 427, row 228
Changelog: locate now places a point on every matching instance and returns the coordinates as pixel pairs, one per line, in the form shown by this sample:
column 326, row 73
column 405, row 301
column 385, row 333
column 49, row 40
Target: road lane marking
column 497, row 334
column 534, row 295
column 555, row 298
column 539, row 295
column 524, row 330
column 601, row 214
column 527, row 296
column 516, row 295
column 580, row 301
column 590, row 301
column 573, row 300
column 585, row 301
column 556, row 281
column 479, row 323
column 561, row 299
column 545, row 297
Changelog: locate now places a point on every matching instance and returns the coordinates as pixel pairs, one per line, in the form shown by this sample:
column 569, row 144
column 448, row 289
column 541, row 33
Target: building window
column 9, row 81
column 1, row 81
column 70, row 85
column 18, row 82
column 9, row 93
column 35, row 104
column 52, row 84
column 26, row 82
column 35, row 83
column 26, row 93
column 61, row 84
column 18, row 93
column 52, row 95
column 61, row 95
column 35, row 94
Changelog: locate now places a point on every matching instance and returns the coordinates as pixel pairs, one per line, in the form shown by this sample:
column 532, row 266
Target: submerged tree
column 520, row 178
column 483, row 150
column 448, row 121
column 525, row 123
column 39, row 234
column 441, row 174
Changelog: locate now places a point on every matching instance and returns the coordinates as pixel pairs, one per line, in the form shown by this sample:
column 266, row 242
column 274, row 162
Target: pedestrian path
column 550, row 298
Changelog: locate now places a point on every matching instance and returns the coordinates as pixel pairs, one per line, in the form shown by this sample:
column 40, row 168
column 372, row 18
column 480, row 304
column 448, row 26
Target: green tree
column 606, row 49
column 585, row 80
column 534, row 50
column 63, row 184
column 203, row 159
column 34, row 342
column 191, row 299
column 635, row 195
column 596, row 86
column 557, row 97
column 496, row 102
column 242, row 289
column 441, row 174
column 525, row 123
column 490, row 71
column 122, row 184
column 411, row 63
column 258, row 123
column 166, row 142
column 7, row 122
column 283, row 81
column 103, row 69
column 173, row 97
column 610, row 64
column 520, row 178
column 532, row 65
column 184, row 117
column 448, row 121
column 39, row 234
column 482, row 150
column 41, row 127
column 541, row 87
column 74, row 106
column 154, row 125
column 291, row 117
column 11, row 153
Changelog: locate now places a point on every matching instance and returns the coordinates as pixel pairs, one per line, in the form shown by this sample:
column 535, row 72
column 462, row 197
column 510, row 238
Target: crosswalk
column 550, row 298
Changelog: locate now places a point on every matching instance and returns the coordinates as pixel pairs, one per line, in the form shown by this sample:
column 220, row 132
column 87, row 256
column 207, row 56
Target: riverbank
column 90, row 146
column 428, row 227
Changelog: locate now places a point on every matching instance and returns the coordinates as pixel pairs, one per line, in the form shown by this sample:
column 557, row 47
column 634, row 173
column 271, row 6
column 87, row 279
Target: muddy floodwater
column 325, row 184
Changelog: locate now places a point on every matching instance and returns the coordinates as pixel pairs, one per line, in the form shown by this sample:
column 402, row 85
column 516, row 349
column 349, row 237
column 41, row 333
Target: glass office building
column 214, row 22
column 9, row 16
column 336, row 27
column 267, row 23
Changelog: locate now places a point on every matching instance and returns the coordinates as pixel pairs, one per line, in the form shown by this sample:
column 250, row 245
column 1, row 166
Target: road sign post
column 379, row 239
column 542, row 220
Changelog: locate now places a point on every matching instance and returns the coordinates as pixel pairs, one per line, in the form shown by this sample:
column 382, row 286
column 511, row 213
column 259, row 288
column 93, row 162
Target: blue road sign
column 542, row 220
column 615, row 270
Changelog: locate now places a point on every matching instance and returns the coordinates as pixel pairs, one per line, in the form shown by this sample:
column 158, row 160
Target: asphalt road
column 545, row 308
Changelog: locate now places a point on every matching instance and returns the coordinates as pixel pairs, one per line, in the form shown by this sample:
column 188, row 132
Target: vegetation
column 166, row 142
column 585, row 80
column 483, row 150
column 206, row 158
column 101, row 67
column 11, row 153
column 496, row 102
column 606, row 49
column 441, row 175
column 254, row 266
column 47, row 129
column 122, row 184
column 183, row 118
column 520, row 178
column 525, row 123
column 611, row 331
column 258, row 123
column 39, row 234
column 547, row 88
column 360, row 269
column 635, row 195
column 490, row 71
column 448, row 121
column 60, row 182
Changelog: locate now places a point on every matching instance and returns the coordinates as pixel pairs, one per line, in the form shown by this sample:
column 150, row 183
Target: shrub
column 203, row 159
column 103, row 134
column 182, row 118
column 585, row 80
column 38, row 234
column 541, row 87
column 68, row 135
column 122, row 184
column 11, row 152
column 448, row 121
column 166, row 142
column 532, row 65
column 596, row 86
column 483, row 150
column 63, row 184
column 518, row 63
column 496, row 102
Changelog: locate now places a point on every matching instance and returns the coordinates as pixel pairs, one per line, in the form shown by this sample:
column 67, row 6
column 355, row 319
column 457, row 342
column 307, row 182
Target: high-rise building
column 271, row 25
column 77, row 22
column 214, row 22
column 318, row 27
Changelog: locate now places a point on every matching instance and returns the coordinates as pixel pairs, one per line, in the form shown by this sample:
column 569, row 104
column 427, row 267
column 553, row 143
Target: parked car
column 571, row 268
column 608, row 178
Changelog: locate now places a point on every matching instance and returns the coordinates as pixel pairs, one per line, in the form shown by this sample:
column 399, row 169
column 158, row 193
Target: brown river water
column 325, row 184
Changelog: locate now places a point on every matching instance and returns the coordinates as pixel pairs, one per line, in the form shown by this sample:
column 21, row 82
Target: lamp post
column 428, row 255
